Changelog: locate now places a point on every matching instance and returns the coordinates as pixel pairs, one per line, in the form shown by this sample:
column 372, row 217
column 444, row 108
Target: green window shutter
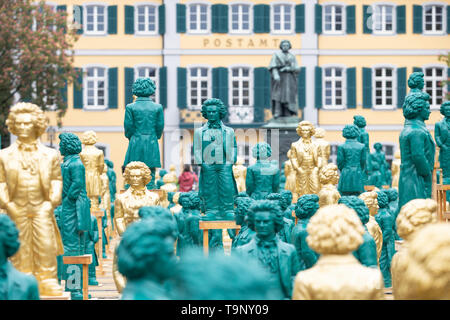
column 220, row 84
column 261, row 92
column 182, row 87
column 181, row 18
column 78, row 92
column 367, row 88
column 401, row 19
column 162, row 19
column 417, row 18
column 417, row 69
column 163, row 86
column 300, row 18
column 401, row 86
column 350, row 13
column 351, row 88
column 219, row 21
column 367, row 19
column 78, row 17
column 301, row 86
column 129, row 80
column 261, row 18
column 129, row 20
column 318, row 18
column 112, row 19
column 318, row 87
column 112, row 88
column 62, row 8
column 63, row 92
column 448, row 83
column 448, row 19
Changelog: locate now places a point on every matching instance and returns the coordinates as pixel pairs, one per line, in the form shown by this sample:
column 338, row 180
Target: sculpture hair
column 145, row 171
column 392, row 194
column 285, row 41
column 40, row 121
column 9, row 235
column 214, row 102
column 319, row 133
column 152, row 212
column 243, row 205
column 70, row 143
column 306, row 123
column 89, row 138
column 350, row 131
column 383, row 199
column 357, row 204
column 359, row 121
column 415, row 80
column 262, row 151
column 446, row 104
column 414, row 103
column 306, row 206
column 275, row 197
column 329, row 174
column 143, row 87
column 287, row 197
column 414, row 215
column 370, row 198
column 335, row 229
column 377, row 145
column 266, row 205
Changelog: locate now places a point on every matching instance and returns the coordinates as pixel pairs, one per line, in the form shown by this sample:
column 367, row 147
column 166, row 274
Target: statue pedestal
column 211, row 225
column 64, row 296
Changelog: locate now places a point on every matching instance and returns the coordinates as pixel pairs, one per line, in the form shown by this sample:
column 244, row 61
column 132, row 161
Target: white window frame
column 250, row 18
column 333, row 20
column 394, row 19
column 156, row 79
column 95, row 32
column 85, row 88
column 444, row 87
column 230, row 85
column 444, row 19
column 208, row 18
column 394, row 88
column 209, row 85
column 344, row 88
column 136, row 15
column 272, row 20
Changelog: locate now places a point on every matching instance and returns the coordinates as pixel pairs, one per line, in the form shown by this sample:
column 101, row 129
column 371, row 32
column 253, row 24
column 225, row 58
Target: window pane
column 194, row 72
column 193, row 84
column 388, row 72
column 389, row 101
column 338, row 101
column 204, row 72
column 204, row 84
column 100, row 72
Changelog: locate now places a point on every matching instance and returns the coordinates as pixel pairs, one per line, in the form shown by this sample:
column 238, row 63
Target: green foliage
column 446, row 59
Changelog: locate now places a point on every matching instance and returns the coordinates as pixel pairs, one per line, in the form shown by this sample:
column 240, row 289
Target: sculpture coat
column 351, row 161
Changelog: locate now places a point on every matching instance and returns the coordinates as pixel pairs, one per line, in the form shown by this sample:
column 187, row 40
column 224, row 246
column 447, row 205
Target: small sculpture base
column 65, row 296
column 283, row 122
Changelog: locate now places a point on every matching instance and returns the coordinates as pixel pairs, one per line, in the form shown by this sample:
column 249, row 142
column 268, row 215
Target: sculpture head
column 370, row 198
column 243, row 205
column 109, row 163
column 285, row 45
column 383, row 199
column 328, row 174
column 162, row 173
column 137, row 174
column 306, row 206
column 69, row 144
column 416, row 106
column 170, row 178
column 350, row 131
column 213, row 110
column 89, row 138
column 143, row 87
column 183, row 199
column 445, row 109
column 26, row 121
column 320, row 133
column 158, row 212
column 287, row 198
column 239, row 161
column 414, row 215
column 146, row 250
column 359, row 121
column 262, row 151
column 9, row 238
column 428, row 259
column 377, row 146
column 192, row 200
column 415, row 80
column 357, row 204
column 265, row 218
column 335, row 229
column 305, row 129
column 278, row 198
column 392, row 194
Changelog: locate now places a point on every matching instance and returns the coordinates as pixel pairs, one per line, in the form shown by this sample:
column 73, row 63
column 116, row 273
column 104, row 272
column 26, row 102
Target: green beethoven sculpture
column 215, row 150
column 305, row 208
column 278, row 257
column 194, row 234
column 375, row 175
column 351, row 161
column 112, row 187
column 92, row 239
column 286, row 204
column 144, row 124
column 262, row 177
column 363, row 137
column 378, row 157
column 246, row 233
column 14, row 285
column 367, row 251
column 392, row 194
column 160, row 182
column 288, row 224
column 442, row 136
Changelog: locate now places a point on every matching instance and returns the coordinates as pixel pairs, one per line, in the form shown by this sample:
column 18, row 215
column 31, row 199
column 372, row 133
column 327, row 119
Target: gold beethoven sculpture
column 30, row 189
column 240, row 173
column 177, row 207
column 305, row 160
column 396, row 169
column 371, row 200
column 291, row 178
column 127, row 205
column 334, row 232
column 170, row 180
column 106, row 198
column 412, row 217
column 323, row 146
column 93, row 161
column 329, row 178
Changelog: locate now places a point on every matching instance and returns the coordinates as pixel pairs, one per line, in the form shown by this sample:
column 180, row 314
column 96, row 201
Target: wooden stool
column 441, row 195
column 84, row 260
column 65, row 296
column 99, row 215
column 214, row 225
column 369, row 188
column 385, row 187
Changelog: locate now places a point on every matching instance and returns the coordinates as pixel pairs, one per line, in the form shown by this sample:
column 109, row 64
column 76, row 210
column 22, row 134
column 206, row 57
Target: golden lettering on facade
column 240, row 43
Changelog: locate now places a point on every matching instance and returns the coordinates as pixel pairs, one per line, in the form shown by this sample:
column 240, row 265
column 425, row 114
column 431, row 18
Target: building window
column 148, row 72
column 198, row 87
column 282, row 18
column 383, row 18
column 95, row 19
column 333, row 153
column 240, row 18
column 95, row 84
column 198, row 18
column 333, row 86
column 241, row 106
column 388, row 150
column 433, row 19
column 243, row 151
column 333, row 22
column 146, row 19
column 384, row 88
column 433, row 78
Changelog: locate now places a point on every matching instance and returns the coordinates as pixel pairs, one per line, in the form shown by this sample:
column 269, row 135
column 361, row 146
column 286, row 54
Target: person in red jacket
column 187, row 179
